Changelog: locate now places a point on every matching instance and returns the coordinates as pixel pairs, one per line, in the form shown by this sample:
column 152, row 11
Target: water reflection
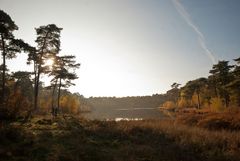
column 127, row 119
column 127, row 114
column 128, row 109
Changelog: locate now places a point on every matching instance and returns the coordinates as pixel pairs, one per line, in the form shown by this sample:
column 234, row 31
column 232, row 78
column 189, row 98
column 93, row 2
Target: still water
column 126, row 114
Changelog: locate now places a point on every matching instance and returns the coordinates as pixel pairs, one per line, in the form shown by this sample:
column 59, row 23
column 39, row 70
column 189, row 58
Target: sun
column 49, row 62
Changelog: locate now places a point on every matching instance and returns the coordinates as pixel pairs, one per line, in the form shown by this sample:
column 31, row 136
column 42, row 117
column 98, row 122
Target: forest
column 221, row 90
column 46, row 122
column 23, row 93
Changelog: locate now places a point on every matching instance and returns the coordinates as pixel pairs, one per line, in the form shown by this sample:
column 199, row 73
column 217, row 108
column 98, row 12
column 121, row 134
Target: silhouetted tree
column 7, row 26
column 48, row 43
column 8, row 44
column 175, row 85
column 23, row 81
column 54, row 81
column 64, row 74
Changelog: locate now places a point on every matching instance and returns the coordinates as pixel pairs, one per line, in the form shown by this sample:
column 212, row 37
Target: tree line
column 220, row 90
column 28, row 85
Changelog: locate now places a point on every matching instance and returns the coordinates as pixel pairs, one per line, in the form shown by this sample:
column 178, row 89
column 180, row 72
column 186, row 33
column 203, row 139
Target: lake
column 126, row 114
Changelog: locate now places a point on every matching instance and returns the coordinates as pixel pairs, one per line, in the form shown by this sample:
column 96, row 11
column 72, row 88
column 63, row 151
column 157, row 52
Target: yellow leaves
column 169, row 105
column 70, row 104
column 17, row 102
column 217, row 104
column 183, row 103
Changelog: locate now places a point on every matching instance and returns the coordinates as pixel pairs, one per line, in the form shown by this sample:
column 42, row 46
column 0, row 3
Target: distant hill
column 131, row 107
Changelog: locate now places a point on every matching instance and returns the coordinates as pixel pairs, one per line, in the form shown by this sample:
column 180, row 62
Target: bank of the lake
column 74, row 139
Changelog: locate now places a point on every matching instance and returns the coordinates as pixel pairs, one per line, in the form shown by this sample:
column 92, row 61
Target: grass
column 227, row 120
column 76, row 139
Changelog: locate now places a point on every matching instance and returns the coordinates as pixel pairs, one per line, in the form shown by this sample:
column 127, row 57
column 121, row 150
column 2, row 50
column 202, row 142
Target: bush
column 215, row 122
column 216, row 104
column 170, row 105
column 183, row 103
column 227, row 120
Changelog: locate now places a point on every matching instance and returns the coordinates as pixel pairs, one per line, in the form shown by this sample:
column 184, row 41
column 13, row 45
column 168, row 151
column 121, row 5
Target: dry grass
column 75, row 139
column 227, row 120
column 225, row 141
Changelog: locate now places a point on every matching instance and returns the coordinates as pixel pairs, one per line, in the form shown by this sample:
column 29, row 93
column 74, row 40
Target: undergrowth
column 75, row 139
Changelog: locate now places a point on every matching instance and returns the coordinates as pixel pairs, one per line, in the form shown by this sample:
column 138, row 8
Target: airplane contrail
column 201, row 39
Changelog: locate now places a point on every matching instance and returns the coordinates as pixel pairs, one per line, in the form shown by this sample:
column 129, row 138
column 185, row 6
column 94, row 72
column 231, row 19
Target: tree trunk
column 4, row 69
column 215, row 90
column 53, row 93
column 35, row 82
column 227, row 100
column 38, row 75
column 199, row 104
column 36, row 92
column 59, row 93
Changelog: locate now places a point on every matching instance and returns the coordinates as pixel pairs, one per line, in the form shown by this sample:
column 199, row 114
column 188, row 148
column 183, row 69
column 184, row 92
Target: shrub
column 169, row 105
column 216, row 104
column 182, row 103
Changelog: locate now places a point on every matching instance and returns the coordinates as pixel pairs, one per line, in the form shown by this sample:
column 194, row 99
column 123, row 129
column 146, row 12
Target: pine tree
column 48, row 44
column 63, row 73
column 221, row 76
column 7, row 26
column 9, row 45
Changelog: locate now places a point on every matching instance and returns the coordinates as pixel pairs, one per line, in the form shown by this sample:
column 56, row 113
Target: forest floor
column 72, row 138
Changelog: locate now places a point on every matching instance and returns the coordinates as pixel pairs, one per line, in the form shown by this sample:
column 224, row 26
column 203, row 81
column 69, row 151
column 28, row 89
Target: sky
column 133, row 47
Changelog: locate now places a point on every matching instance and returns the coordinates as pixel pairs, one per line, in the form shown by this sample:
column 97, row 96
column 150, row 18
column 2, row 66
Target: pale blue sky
column 134, row 47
